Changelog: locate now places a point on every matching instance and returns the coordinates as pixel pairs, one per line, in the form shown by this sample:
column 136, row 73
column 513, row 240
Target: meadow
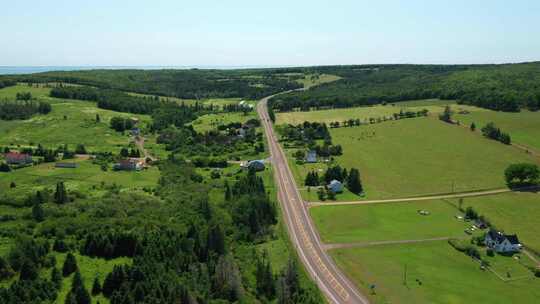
column 212, row 121
column 515, row 212
column 387, row 222
column 523, row 127
column 87, row 176
column 70, row 122
column 445, row 275
column 327, row 116
column 419, row 156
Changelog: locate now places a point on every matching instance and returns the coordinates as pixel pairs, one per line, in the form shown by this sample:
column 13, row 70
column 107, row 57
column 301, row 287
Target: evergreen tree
column 56, row 278
column 5, row 269
column 98, row 119
column 37, row 213
column 60, row 195
column 124, row 152
column 265, row 277
column 4, row 167
column 216, row 240
column 228, row 193
column 353, row 181
column 28, row 271
column 473, row 127
column 96, row 287
column 70, row 265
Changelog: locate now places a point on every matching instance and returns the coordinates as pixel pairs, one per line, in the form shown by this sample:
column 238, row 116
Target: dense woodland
column 499, row 87
column 189, row 84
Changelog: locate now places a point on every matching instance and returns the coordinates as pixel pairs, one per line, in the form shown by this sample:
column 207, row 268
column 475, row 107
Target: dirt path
column 378, row 243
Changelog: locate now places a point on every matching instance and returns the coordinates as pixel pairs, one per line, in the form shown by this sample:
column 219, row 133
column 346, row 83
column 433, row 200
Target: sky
column 266, row 33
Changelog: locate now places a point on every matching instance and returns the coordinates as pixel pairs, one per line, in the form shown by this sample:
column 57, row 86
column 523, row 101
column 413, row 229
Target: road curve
column 335, row 286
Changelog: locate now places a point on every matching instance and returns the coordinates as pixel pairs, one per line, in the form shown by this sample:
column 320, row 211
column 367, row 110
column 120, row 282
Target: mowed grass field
column 78, row 127
column 516, row 212
column 523, row 127
column 446, row 275
column 387, row 222
column 419, row 156
column 434, row 106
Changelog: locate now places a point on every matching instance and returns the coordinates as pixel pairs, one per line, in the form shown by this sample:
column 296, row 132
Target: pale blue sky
column 275, row 32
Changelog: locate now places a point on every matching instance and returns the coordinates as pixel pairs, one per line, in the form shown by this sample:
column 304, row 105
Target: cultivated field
column 420, row 156
column 387, row 222
column 435, row 273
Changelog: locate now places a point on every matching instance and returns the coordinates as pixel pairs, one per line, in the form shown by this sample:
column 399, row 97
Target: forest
column 506, row 87
column 188, row 84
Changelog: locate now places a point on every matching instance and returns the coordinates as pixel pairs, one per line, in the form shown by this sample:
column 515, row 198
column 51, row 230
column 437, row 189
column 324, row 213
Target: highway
column 335, row 285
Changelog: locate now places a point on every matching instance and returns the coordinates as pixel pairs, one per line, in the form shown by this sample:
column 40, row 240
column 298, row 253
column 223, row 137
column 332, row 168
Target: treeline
column 12, row 110
column 350, row 178
column 4, row 83
column 188, row 84
column 499, row 87
column 491, row 131
column 307, row 134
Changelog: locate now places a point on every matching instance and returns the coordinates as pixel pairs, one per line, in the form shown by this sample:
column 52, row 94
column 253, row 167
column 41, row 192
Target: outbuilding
column 16, row 158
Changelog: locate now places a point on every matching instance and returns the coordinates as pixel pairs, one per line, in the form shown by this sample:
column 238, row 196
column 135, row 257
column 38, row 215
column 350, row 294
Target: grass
column 516, row 212
column 447, row 276
column 82, row 178
column 385, row 222
column 421, row 156
column 311, row 80
column 212, row 121
column 52, row 130
column 363, row 113
column 39, row 92
column 89, row 268
column 523, row 127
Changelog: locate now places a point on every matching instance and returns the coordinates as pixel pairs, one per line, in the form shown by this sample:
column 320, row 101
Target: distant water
column 10, row 70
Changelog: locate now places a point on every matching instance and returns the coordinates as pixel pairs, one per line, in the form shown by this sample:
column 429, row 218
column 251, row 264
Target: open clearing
column 327, row 116
column 70, row 122
column 385, row 222
column 413, row 157
column 523, row 127
column 447, row 276
column 212, row 121
column 516, row 212
column 81, row 178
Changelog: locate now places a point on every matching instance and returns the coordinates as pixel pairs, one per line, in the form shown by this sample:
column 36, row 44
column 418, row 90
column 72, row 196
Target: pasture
column 433, row 272
column 387, row 222
column 419, row 156
column 212, row 121
column 311, row 80
column 516, row 212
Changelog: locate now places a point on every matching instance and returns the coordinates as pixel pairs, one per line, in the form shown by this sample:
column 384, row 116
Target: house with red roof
column 16, row 158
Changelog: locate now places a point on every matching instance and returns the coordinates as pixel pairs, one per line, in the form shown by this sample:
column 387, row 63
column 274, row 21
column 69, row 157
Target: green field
column 86, row 176
column 378, row 111
column 70, row 122
column 446, row 275
column 523, row 127
column 212, row 121
column 516, row 212
column 418, row 156
column 311, row 80
column 387, row 222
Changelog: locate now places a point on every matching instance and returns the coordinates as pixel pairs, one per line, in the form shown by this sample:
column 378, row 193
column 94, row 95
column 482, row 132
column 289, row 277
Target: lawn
column 83, row 178
column 419, row 156
column 446, row 275
column 387, row 222
column 378, row 111
column 523, row 127
column 516, row 212
column 70, row 122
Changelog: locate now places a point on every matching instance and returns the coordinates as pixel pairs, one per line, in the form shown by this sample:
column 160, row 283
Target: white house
column 335, row 186
column 257, row 165
column 502, row 243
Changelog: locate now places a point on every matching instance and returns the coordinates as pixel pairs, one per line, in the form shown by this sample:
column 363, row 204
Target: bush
column 522, row 174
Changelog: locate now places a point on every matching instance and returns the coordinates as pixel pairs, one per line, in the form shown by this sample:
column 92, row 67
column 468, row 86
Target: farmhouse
column 132, row 164
column 311, row 156
column 502, row 243
column 15, row 158
column 335, row 186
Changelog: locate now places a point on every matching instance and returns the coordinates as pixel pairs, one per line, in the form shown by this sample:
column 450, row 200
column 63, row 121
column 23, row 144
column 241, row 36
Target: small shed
column 311, row 156
column 335, row 186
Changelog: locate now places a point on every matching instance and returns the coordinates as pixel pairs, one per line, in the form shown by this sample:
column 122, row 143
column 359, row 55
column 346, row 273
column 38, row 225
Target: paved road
column 335, row 286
